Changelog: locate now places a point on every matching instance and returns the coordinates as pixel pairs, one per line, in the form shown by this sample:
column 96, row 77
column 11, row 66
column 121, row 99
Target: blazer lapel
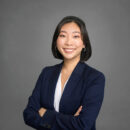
column 75, row 77
column 72, row 82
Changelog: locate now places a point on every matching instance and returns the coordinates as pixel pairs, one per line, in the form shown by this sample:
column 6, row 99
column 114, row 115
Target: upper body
column 85, row 87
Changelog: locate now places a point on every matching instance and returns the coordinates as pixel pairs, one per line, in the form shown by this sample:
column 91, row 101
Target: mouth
column 68, row 50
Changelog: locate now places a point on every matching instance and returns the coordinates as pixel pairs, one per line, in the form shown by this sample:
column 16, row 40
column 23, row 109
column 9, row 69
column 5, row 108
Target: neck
column 69, row 65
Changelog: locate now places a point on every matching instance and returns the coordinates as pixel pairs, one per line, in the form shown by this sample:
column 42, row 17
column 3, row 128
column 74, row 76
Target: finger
column 78, row 111
column 76, row 114
column 80, row 108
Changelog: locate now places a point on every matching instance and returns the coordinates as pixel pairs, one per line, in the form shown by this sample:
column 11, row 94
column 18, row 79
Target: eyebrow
column 76, row 32
column 72, row 32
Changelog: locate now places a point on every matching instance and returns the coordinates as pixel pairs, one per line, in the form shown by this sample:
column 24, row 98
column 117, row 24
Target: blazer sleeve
column 91, row 103
column 30, row 113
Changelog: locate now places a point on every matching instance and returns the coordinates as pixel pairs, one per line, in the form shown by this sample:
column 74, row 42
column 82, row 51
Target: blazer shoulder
column 93, row 73
column 50, row 68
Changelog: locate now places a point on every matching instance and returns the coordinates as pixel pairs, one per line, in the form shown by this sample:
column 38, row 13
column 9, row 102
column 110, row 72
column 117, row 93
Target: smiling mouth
column 68, row 50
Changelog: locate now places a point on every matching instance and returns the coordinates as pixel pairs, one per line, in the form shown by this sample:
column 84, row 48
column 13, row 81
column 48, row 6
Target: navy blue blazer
column 85, row 87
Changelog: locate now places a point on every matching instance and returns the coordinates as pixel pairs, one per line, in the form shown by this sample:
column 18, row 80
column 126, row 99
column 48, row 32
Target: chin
column 70, row 58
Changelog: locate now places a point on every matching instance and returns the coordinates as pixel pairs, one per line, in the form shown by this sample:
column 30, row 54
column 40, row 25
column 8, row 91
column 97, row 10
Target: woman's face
column 69, row 41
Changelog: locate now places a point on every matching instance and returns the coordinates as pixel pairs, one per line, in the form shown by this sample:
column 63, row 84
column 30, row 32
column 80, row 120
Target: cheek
column 79, row 43
column 60, row 42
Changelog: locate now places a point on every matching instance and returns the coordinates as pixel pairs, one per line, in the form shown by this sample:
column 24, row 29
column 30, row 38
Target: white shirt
column 58, row 93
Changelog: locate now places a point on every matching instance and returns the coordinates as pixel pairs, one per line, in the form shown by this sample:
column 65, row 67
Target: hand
column 42, row 111
column 78, row 111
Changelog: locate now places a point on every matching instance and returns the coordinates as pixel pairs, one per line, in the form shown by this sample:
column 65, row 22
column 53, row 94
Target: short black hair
column 86, row 52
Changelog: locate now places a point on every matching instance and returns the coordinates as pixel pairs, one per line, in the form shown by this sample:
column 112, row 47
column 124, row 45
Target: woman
column 69, row 95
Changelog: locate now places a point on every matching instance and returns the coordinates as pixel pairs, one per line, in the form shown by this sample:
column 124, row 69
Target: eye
column 76, row 36
column 61, row 35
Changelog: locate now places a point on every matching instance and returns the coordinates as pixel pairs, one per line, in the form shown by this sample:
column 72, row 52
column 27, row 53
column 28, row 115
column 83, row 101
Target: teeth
column 69, row 50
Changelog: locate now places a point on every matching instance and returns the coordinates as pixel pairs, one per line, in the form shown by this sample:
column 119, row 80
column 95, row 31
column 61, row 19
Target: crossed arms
column 40, row 118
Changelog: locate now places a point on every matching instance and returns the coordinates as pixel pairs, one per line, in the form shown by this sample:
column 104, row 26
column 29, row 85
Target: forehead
column 70, row 27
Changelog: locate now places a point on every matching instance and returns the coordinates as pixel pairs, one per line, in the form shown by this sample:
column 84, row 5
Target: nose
column 69, row 41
